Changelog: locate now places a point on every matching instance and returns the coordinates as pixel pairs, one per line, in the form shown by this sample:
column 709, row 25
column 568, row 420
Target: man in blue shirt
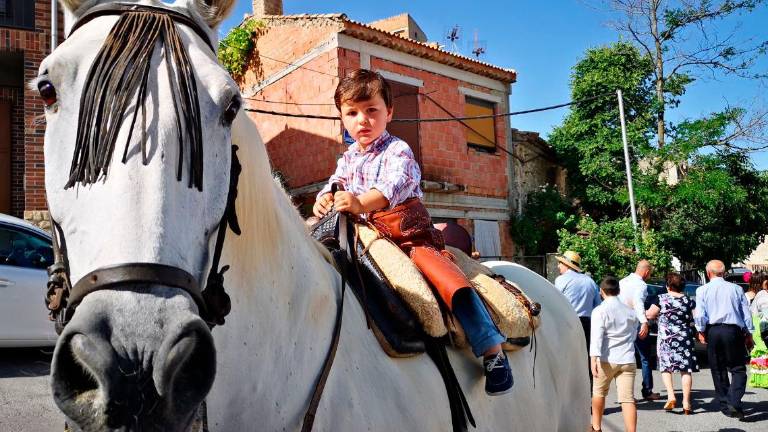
column 725, row 325
column 580, row 290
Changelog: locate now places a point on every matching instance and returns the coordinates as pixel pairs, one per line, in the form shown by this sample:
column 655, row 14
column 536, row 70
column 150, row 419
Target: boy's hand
column 346, row 201
column 323, row 205
column 594, row 367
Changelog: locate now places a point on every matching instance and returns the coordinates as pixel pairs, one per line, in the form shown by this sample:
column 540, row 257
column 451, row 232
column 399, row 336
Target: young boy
column 612, row 354
column 380, row 180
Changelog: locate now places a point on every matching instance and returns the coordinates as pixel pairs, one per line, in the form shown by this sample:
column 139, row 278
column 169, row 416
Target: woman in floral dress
column 675, row 344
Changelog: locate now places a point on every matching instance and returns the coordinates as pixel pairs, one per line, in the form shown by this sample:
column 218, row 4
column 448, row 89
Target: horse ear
column 214, row 11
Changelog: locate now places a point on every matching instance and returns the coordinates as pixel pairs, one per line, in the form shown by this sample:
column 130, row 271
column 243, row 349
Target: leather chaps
column 409, row 226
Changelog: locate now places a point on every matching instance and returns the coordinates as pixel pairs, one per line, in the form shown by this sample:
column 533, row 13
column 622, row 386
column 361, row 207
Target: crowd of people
column 732, row 323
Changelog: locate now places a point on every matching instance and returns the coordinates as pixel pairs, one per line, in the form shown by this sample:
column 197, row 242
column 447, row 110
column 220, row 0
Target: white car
column 25, row 253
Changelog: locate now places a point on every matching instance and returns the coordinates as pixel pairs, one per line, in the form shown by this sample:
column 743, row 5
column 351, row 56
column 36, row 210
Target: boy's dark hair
column 362, row 85
column 675, row 282
column 610, row 286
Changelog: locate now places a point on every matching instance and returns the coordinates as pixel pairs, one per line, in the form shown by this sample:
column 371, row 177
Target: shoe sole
column 499, row 393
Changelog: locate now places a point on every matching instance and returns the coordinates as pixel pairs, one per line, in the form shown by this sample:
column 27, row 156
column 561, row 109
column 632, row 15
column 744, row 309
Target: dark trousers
column 727, row 353
column 586, row 325
column 644, row 349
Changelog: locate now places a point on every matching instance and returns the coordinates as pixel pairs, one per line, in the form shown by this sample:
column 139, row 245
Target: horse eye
column 47, row 93
column 231, row 112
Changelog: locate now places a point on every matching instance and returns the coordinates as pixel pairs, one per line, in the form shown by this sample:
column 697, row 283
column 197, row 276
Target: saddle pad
column 406, row 280
column 510, row 315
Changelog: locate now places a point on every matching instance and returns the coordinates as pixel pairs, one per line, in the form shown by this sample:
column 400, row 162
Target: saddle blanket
column 509, row 311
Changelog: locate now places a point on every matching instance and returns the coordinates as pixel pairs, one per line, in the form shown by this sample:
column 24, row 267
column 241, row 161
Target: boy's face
column 366, row 120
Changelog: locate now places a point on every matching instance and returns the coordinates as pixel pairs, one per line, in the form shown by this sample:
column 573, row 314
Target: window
column 17, row 14
column 22, row 249
column 481, row 133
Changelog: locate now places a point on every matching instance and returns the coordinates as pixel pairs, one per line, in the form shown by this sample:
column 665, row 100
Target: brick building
column 25, row 39
column 466, row 170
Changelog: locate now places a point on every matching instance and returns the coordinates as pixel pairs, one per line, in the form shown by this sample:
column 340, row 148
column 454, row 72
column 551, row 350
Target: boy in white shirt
column 612, row 354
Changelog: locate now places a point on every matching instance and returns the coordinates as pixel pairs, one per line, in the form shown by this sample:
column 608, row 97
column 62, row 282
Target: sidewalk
column 706, row 417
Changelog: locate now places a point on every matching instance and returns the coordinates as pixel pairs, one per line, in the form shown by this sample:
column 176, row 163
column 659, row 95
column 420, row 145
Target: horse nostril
column 186, row 366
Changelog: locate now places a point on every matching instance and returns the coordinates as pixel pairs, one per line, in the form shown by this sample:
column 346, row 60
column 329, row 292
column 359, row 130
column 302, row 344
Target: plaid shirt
column 386, row 165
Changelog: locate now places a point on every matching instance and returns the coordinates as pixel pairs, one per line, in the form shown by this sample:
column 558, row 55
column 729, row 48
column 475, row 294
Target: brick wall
column 28, row 186
column 278, row 45
column 444, row 151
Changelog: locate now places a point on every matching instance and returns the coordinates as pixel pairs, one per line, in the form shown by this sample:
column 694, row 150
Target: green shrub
column 607, row 247
column 236, row 47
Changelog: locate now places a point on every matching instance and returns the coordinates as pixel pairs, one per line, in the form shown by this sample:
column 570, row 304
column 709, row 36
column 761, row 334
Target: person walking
column 634, row 290
column 758, row 364
column 580, row 290
column 675, row 343
column 612, row 355
column 724, row 323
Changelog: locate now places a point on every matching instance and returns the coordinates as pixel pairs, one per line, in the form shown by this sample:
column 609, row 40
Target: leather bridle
column 213, row 302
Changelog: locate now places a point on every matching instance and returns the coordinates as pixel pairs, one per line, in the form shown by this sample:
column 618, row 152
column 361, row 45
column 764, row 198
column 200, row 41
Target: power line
column 288, row 103
column 438, row 119
column 298, row 66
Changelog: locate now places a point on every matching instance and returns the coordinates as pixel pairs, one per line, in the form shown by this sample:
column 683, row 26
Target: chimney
column 267, row 7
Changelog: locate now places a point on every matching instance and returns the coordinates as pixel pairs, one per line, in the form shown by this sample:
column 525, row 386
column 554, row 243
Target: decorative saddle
column 401, row 306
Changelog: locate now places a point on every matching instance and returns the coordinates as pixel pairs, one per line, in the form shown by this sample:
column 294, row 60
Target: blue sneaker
column 498, row 375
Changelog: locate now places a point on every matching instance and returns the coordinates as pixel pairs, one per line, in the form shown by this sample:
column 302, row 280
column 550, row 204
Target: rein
column 119, row 72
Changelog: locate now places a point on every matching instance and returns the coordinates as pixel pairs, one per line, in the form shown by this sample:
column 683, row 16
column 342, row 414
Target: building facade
column 25, row 39
column 466, row 165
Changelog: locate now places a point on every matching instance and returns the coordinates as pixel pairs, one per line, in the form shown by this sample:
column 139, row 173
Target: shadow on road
column 25, row 362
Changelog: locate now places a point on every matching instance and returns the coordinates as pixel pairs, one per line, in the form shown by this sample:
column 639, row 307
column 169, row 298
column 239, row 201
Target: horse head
column 138, row 159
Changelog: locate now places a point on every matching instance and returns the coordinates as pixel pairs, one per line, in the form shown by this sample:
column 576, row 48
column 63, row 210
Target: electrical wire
column 438, row 119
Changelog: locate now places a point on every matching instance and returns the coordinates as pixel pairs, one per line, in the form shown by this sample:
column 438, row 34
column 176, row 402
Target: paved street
column 25, row 397
column 651, row 416
column 26, row 405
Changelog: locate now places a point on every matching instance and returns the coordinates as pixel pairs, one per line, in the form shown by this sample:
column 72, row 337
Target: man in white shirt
column 634, row 290
column 612, row 355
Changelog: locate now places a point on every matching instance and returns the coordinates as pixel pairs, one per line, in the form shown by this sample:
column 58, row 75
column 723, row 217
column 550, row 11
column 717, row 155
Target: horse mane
column 272, row 229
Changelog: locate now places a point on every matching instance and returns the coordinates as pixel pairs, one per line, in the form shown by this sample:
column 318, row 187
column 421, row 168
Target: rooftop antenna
column 452, row 36
column 479, row 47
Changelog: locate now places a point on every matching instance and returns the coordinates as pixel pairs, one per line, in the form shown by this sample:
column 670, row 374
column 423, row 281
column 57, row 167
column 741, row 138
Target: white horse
column 138, row 357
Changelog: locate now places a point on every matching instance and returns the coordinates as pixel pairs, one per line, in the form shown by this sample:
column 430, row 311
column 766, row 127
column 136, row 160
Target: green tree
column 699, row 192
column 589, row 140
column 544, row 213
column 607, row 248
column 685, row 39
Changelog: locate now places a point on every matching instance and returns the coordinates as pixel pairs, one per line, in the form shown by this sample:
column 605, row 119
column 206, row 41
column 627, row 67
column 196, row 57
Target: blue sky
column 541, row 40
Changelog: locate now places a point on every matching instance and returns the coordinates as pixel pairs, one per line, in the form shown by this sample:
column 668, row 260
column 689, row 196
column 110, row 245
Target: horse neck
column 284, row 275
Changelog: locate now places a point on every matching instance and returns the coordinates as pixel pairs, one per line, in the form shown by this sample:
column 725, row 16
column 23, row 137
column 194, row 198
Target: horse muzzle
column 147, row 373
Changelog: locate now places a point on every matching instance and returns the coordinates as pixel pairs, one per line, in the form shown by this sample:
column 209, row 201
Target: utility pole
column 626, row 161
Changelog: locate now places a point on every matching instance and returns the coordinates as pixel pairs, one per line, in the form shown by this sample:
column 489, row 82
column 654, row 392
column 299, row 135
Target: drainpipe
column 54, row 24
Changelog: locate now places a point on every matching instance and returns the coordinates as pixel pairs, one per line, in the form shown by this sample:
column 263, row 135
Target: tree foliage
column 699, row 193
column 544, row 213
column 236, row 47
column 607, row 248
column 690, row 39
column 589, row 140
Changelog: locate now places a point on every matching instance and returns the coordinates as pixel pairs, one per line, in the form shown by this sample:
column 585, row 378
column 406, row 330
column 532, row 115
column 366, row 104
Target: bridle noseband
column 213, row 302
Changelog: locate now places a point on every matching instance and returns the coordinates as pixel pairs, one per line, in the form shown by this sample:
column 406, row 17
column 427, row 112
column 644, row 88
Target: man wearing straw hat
column 580, row 290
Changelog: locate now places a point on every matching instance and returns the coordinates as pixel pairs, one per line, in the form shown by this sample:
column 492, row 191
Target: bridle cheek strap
column 213, row 302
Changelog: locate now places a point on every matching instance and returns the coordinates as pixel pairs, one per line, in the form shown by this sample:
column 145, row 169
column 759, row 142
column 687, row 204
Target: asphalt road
column 26, row 404
column 706, row 417
column 25, row 396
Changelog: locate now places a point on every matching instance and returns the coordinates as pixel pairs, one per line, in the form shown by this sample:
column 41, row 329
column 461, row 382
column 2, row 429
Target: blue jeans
column 644, row 348
column 476, row 322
